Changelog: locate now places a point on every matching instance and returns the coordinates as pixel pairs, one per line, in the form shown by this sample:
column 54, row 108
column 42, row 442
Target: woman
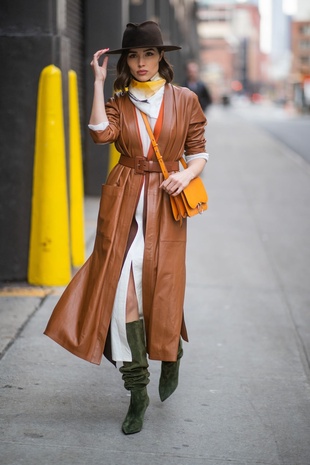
column 127, row 300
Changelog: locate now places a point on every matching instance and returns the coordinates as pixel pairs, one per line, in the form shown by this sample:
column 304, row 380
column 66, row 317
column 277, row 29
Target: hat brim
column 166, row 48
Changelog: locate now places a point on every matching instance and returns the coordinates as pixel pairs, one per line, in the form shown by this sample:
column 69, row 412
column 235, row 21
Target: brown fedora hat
column 143, row 35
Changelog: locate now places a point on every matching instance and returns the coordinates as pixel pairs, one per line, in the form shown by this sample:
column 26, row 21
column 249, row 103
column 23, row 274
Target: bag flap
column 195, row 193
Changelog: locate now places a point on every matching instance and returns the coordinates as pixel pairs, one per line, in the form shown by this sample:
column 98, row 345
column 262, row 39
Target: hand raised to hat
column 98, row 114
column 100, row 71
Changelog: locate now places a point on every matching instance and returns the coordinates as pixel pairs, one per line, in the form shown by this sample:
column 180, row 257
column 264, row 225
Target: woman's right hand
column 100, row 72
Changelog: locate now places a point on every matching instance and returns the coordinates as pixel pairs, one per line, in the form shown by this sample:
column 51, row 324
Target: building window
column 305, row 60
column 304, row 44
column 305, row 29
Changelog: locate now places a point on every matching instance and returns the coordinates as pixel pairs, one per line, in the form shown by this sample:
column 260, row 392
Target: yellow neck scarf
column 145, row 90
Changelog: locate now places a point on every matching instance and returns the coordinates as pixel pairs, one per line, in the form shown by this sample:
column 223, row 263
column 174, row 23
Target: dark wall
column 142, row 11
column 102, row 30
column 29, row 41
column 26, row 47
column 65, row 33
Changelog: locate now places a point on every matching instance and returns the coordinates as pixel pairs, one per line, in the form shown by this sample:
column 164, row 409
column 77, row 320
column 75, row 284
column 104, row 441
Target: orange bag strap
column 156, row 149
column 155, row 146
column 183, row 163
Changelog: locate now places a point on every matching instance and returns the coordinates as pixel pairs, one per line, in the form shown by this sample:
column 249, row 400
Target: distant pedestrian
column 194, row 83
column 127, row 300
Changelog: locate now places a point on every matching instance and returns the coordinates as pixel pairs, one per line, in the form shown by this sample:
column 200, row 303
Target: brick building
column 229, row 42
column 300, row 70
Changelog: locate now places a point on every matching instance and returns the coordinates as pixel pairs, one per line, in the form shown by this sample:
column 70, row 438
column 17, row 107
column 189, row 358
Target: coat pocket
column 109, row 210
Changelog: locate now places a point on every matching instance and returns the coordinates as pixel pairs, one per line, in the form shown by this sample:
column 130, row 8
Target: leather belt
column 141, row 165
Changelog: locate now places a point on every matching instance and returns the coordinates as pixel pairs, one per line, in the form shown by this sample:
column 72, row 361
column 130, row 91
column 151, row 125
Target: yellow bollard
column 49, row 253
column 76, row 176
column 113, row 157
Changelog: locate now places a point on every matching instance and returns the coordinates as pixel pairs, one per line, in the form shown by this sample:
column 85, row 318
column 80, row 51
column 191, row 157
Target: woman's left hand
column 177, row 182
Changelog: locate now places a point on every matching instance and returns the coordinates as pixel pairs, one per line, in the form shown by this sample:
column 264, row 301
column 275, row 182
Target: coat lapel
column 168, row 133
column 132, row 122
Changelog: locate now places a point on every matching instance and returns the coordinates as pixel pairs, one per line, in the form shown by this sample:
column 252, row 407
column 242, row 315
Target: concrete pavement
column 244, row 392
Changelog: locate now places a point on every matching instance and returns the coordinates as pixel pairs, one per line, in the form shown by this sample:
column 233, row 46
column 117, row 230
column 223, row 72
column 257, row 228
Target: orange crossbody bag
column 193, row 199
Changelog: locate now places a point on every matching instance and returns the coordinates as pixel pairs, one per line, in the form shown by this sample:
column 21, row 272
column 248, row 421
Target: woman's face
column 143, row 63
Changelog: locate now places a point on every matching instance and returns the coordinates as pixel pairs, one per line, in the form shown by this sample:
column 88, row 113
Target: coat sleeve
column 195, row 140
column 111, row 133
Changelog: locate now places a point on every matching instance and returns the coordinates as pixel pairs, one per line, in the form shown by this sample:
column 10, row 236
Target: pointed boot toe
column 169, row 379
column 169, row 376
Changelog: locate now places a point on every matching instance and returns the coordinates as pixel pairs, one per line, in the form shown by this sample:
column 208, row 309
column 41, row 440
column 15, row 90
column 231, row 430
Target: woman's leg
column 132, row 310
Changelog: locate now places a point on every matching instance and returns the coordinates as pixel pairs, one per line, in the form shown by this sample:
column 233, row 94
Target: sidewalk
column 244, row 392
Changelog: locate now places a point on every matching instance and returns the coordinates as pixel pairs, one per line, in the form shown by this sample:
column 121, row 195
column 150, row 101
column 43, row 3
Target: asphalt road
column 295, row 133
column 286, row 126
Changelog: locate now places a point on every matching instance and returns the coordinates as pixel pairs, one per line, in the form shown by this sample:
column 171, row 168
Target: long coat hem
column 73, row 350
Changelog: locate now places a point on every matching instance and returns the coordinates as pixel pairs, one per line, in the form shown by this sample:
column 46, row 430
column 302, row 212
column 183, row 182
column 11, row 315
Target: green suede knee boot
column 136, row 378
column 169, row 376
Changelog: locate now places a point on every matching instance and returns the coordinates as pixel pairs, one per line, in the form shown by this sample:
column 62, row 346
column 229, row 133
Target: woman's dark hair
column 124, row 77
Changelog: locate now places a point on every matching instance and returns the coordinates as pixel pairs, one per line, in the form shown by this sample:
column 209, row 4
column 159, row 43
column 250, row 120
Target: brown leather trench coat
column 81, row 319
